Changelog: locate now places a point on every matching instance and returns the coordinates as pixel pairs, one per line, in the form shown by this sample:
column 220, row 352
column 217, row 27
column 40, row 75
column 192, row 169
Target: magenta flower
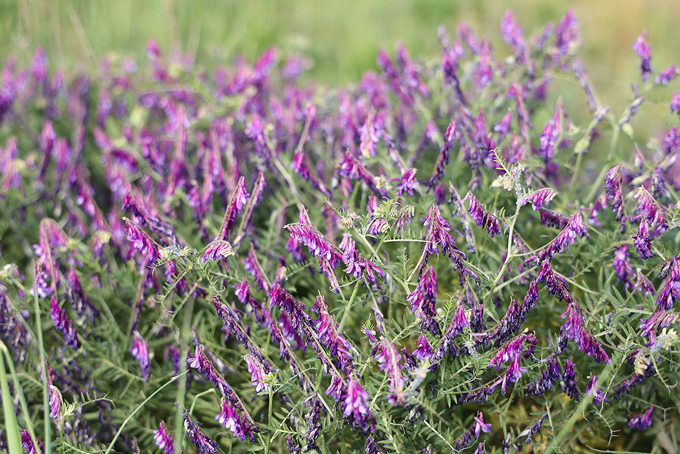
column 64, row 325
column 423, row 300
column 547, row 379
column 512, row 33
column 675, row 103
column 592, row 388
column 140, row 353
column 423, row 350
column 164, row 439
column 667, row 75
column 257, row 372
column 203, row 443
column 642, row 241
column 202, row 364
column 142, row 242
column 642, row 420
column 28, row 445
column 217, row 250
column 621, row 264
column 574, row 229
column 538, row 198
column 356, row 404
column 318, row 244
column 569, row 381
column 239, row 197
column 389, row 360
column 55, row 401
column 643, row 50
column 408, row 183
column 482, row 217
column 328, row 334
column 613, row 188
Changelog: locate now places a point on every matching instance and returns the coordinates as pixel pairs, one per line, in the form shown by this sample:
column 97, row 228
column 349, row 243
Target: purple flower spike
column 28, row 445
column 423, row 350
column 356, row 404
column 318, row 244
column 548, row 377
column 643, row 50
column 569, row 381
column 667, row 75
column 257, row 372
column 642, row 241
column 164, row 439
column 217, row 250
column 204, row 444
column 389, row 360
column 328, row 334
column 64, row 325
column 641, row 421
column 479, row 425
column 613, row 188
column 512, row 33
column 538, row 198
column 55, row 401
column 140, row 353
column 239, row 197
column 675, row 103
column 482, row 217
column 621, row 264
column 574, row 229
column 408, row 183
column 423, row 300
column 592, row 388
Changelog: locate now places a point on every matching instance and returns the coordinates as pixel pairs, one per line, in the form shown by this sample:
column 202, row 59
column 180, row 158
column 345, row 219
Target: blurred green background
column 341, row 37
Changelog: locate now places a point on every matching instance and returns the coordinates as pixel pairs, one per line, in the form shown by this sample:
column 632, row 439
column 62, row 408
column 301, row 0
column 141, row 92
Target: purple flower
column 257, row 372
column 217, row 250
column 613, row 188
column 481, row 217
column 142, row 242
column 483, row 73
column 643, row 50
column 239, row 424
column 642, row 241
column 592, row 388
column 204, row 444
column 336, row 388
column 667, row 75
column 621, row 264
column 651, row 210
column 202, row 364
column 538, row 198
column 569, row 381
column 444, row 154
column 458, row 323
column 474, row 431
column 503, row 127
column 574, row 229
column 438, row 237
column 546, row 380
column 318, row 244
column 55, row 401
column 28, row 445
column 552, row 132
column 423, row 300
column 64, row 325
column 408, row 183
column 512, row 33
column 642, row 420
column 328, row 334
column 140, row 353
column 423, row 350
column 389, row 360
column 239, row 197
column 164, row 439
column 356, row 404
column 575, row 331
column 252, row 265
column 675, row 103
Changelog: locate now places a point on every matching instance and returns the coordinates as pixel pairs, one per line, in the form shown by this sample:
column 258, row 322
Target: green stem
column 181, row 389
column 43, row 365
column 601, row 379
column 13, row 433
column 348, row 306
column 22, row 399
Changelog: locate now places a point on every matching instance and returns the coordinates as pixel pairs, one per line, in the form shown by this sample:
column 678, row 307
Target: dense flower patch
column 233, row 260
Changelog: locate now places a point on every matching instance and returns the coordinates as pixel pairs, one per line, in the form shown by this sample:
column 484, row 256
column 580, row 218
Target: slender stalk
column 22, row 399
column 181, row 389
column 43, row 366
column 11, row 425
